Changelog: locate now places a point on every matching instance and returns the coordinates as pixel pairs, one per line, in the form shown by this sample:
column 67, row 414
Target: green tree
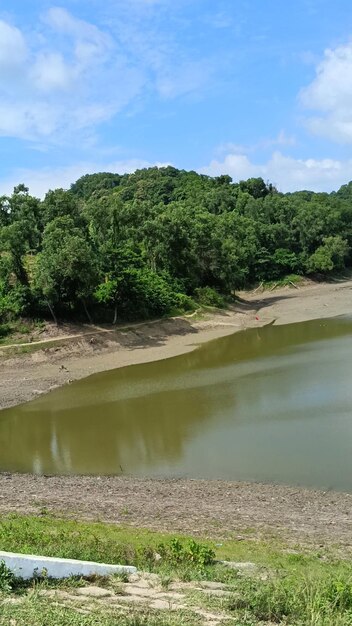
column 66, row 268
column 331, row 255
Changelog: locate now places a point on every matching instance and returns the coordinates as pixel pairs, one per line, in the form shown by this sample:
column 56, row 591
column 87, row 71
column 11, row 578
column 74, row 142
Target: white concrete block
column 28, row 566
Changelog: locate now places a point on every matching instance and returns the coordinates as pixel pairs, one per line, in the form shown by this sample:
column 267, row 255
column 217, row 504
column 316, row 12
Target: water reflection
column 267, row 404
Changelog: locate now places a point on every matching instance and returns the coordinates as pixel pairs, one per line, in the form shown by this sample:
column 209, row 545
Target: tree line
column 120, row 247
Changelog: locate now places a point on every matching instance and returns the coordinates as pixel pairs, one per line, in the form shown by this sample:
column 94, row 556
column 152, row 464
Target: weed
column 165, row 581
column 178, row 552
column 122, row 577
column 7, row 579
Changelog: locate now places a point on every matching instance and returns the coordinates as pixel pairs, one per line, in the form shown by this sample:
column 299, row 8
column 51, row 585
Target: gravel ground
column 212, row 508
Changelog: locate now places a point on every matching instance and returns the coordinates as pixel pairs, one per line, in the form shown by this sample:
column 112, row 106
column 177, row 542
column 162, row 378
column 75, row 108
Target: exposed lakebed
column 269, row 404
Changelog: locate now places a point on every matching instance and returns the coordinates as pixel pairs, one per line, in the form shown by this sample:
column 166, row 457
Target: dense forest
column 117, row 247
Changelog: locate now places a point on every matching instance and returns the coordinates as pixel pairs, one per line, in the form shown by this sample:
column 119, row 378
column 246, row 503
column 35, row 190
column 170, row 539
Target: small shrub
column 5, row 329
column 209, row 297
column 190, row 552
column 184, row 302
column 7, row 578
column 339, row 594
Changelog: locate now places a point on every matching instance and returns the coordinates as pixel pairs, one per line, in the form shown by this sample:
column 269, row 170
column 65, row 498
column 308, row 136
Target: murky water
column 268, row 404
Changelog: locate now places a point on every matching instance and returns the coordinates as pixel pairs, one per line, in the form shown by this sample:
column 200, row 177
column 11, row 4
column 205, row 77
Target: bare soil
column 208, row 508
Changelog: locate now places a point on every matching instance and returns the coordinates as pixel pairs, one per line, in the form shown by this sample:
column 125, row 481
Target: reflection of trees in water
column 133, row 434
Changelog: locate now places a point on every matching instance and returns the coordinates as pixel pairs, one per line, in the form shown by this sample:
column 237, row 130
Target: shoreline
column 71, row 357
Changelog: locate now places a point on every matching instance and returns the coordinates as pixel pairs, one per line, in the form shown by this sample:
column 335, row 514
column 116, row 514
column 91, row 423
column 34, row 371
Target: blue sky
column 243, row 87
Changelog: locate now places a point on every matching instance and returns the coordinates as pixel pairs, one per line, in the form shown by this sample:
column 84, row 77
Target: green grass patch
column 104, row 543
column 286, row 281
column 298, row 600
column 111, row 543
column 31, row 348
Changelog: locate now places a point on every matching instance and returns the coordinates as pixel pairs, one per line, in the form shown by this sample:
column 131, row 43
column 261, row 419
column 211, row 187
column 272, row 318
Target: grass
column 291, row 588
column 286, row 281
column 52, row 536
column 30, row 349
column 18, row 331
column 297, row 600
column 37, row 611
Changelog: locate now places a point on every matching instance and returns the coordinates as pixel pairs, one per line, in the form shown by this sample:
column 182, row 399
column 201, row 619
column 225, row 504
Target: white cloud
column 66, row 76
column 330, row 94
column 65, row 85
column 285, row 172
column 185, row 79
column 91, row 44
column 13, row 48
column 281, row 139
column 50, row 72
column 152, row 34
column 41, row 180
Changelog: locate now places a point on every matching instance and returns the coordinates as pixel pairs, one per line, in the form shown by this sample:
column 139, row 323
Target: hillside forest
column 158, row 241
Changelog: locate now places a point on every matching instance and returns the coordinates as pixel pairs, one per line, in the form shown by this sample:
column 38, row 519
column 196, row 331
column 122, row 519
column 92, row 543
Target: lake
column 271, row 404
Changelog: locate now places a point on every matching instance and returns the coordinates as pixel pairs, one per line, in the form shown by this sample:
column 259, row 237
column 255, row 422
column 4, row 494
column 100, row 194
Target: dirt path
column 91, row 333
column 212, row 508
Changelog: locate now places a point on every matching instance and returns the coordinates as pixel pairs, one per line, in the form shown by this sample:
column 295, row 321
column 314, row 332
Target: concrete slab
column 29, row 566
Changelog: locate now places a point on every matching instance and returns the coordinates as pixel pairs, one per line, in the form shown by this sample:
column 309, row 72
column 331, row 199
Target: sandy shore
column 77, row 355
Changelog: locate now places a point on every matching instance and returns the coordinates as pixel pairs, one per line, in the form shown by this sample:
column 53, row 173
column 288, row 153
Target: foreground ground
column 50, row 358
column 180, row 581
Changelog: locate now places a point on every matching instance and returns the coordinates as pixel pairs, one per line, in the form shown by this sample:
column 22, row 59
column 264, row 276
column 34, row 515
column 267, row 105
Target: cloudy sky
column 242, row 87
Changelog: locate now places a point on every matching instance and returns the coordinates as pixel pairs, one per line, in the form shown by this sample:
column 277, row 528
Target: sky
column 239, row 87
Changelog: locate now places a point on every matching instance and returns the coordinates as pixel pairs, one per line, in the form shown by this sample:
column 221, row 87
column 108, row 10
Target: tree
column 66, row 267
column 14, row 296
column 329, row 256
column 256, row 187
column 61, row 203
column 137, row 245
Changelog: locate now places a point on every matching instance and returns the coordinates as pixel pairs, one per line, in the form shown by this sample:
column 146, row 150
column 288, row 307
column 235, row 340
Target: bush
column 190, row 552
column 5, row 329
column 141, row 293
column 184, row 303
column 209, row 297
column 14, row 301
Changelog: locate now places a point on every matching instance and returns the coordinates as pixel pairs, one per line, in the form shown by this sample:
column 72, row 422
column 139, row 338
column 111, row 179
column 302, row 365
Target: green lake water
column 268, row 404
